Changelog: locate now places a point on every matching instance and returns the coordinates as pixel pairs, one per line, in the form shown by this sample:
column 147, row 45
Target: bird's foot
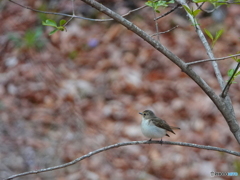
column 161, row 142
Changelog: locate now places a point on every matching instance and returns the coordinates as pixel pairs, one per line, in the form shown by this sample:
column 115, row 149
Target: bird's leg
column 161, row 141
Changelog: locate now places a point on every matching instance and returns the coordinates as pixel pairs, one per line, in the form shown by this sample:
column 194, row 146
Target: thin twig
column 165, row 31
column 125, row 144
column 204, row 10
column 156, row 23
column 200, row 6
column 227, row 86
column 73, row 7
column 165, row 14
column 73, row 15
column 215, row 59
column 137, row 9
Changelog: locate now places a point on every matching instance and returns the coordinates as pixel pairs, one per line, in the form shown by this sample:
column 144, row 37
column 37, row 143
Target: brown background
column 66, row 95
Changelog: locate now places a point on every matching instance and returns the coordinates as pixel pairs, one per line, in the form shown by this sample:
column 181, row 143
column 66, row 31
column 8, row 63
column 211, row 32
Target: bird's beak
column 140, row 113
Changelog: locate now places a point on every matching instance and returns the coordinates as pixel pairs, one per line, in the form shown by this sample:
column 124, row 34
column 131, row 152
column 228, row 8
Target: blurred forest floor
column 68, row 94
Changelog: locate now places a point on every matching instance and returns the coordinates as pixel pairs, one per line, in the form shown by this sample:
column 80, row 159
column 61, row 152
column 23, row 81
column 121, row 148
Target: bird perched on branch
column 154, row 127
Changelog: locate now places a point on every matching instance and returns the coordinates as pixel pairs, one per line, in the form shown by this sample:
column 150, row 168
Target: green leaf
column 237, row 73
column 218, row 34
column 188, row 9
column 156, row 4
column 209, row 34
column 62, row 22
column 171, row 2
column 161, row 3
column 230, row 72
column 237, row 60
column 52, row 32
column 196, row 12
column 61, row 28
column 149, row 3
column 49, row 22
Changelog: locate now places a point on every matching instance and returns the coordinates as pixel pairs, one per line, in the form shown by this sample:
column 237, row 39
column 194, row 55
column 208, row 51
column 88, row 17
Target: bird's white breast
column 151, row 131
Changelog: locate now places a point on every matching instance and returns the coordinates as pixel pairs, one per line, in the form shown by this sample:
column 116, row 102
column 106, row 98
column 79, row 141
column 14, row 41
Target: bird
column 154, row 127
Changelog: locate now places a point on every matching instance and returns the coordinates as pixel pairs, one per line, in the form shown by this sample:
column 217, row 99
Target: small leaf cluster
column 156, row 4
column 52, row 23
column 214, row 38
column 194, row 13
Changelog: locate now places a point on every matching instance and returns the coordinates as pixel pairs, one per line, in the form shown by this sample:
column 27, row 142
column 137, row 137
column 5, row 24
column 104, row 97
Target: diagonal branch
column 226, row 88
column 125, row 144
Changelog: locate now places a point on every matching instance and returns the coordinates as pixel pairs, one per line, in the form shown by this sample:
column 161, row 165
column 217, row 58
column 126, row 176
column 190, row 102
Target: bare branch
column 215, row 59
column 226, row 88
column 125, row 144
column 73, row 7
column 137, row 9
column 156, row 23
column 165, row 31
column 73, row 13
column 165, row 14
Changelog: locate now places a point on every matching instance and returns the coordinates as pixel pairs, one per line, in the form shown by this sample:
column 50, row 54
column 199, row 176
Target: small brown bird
column 154, row 127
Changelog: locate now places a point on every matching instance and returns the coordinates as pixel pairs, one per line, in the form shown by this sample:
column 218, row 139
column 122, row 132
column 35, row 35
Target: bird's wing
column 174, row 127
column 161, row 124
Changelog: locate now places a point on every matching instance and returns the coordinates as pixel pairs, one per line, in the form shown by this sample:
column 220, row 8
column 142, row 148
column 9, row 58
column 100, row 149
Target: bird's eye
column 144, row 114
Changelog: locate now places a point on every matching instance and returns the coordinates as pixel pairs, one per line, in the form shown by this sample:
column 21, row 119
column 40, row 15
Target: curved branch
column 125, row 144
